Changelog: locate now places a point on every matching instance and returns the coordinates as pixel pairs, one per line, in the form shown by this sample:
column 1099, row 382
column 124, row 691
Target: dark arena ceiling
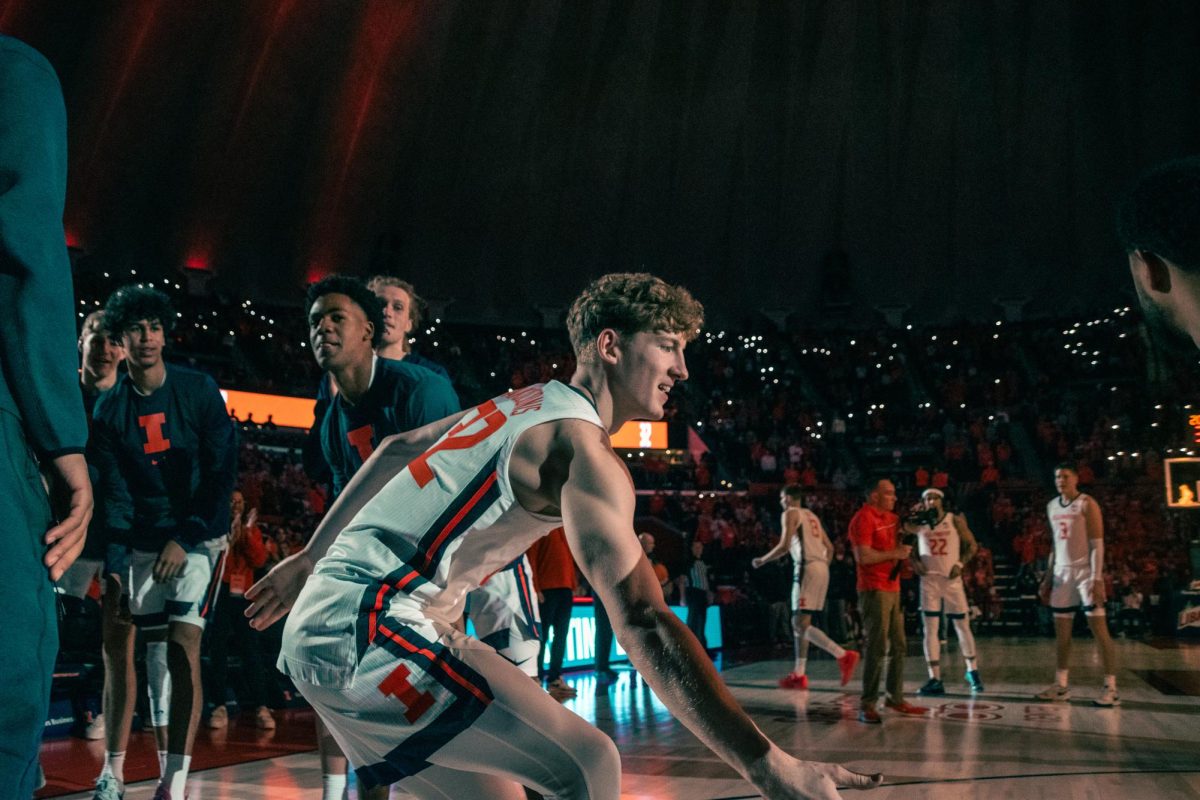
column 818, row 157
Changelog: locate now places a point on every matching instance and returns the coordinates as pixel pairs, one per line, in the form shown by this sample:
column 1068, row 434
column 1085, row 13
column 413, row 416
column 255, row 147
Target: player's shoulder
column 188, row 378
column 107, row 402
column 407, row 374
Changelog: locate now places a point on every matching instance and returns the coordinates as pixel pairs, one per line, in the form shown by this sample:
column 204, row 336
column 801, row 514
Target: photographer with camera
column 944, row 544
column 874, row 534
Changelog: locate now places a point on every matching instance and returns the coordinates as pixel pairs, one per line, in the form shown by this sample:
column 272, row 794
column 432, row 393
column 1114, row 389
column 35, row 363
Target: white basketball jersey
column 808, row 545
column 939, row 547
column 1068, row 526
column 434, row 532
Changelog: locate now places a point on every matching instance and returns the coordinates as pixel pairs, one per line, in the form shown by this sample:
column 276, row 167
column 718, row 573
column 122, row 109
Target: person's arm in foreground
column 597, row 506
column 37, row 334
column 274, row 595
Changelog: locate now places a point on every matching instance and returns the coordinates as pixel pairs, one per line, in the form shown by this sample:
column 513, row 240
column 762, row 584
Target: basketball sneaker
column 974, row 680
column 1108, row 698
column 94, row 729
column 846, row 665
column 107, row 788
column 1054, row 693
column 793, row 681
column 932, row 687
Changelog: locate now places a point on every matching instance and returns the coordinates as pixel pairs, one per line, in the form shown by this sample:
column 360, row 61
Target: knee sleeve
column 158, row 679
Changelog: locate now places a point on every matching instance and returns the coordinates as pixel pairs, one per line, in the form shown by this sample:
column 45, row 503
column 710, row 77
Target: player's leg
column 148, row 609
column 813, row 589
column 1064, row 602
column 334, row 764
column 796, row 679
column 1098, row 622
column 120, row 684
column 191, row 600
column 457, row 704
column 957, row 612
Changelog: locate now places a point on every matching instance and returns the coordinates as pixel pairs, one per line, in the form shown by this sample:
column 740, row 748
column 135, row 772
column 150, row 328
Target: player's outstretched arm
column 597, row 503
column 274, row 595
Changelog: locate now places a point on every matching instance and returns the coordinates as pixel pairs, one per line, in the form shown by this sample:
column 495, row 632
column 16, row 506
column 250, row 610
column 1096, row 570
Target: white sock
column 818, row 637
column 1060, row 677
column 935, row 670
column 114, row 765
column 176, row 773
column 801, row 666
column 162, row 763
column 1110, row 682
column 333, row 787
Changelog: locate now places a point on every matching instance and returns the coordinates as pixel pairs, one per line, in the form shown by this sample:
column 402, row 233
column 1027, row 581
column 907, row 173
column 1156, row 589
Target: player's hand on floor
column 787, row 778
column 276, row 593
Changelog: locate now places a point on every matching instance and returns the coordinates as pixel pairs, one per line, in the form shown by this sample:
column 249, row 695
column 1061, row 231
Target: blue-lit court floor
column 1000, row 744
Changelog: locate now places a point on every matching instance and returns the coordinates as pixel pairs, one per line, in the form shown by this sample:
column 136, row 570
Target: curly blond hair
column 630, row 303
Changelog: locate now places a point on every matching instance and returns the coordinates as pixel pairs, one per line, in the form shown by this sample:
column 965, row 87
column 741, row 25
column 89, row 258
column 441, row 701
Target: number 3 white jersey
column 939, row 546
column 435, row 531
column 1068, row 526
column 808, row 545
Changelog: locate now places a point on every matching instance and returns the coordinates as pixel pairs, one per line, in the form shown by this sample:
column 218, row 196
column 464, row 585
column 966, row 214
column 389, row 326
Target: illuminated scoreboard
column 1182, row 476
column 286, row 412
column 641, row 436
column 297, row 412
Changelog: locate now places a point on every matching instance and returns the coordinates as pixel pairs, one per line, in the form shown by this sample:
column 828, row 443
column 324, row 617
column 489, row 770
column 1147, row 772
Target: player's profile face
column 397, row 313
column 338, row 331
column 144, row 341
column 651, row 363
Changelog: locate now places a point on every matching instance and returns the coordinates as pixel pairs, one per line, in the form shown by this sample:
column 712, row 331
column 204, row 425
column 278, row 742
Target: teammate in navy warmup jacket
column 165, row 448
column 369, row 398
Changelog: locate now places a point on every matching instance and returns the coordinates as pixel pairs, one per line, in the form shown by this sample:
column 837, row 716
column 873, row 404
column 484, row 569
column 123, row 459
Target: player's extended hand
column 170, row 563
column 786, row 778
column 71, row 501
column 756, row 562
column 276, row 593
column 955, row 572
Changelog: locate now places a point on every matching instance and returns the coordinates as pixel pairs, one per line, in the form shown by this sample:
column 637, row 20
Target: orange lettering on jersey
column 481, row 423
column 527, row 399
column 152, row 424
column 361, row 439
column 396, row 685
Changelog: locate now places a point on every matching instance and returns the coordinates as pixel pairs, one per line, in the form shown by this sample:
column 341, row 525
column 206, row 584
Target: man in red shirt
column 554, row 581
column 877, row 550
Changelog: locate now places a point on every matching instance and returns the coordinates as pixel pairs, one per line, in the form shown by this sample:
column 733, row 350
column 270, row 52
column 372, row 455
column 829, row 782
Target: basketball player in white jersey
column 1075, row 580
column 942, row 549
column 804, row 539
column 370, row 641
